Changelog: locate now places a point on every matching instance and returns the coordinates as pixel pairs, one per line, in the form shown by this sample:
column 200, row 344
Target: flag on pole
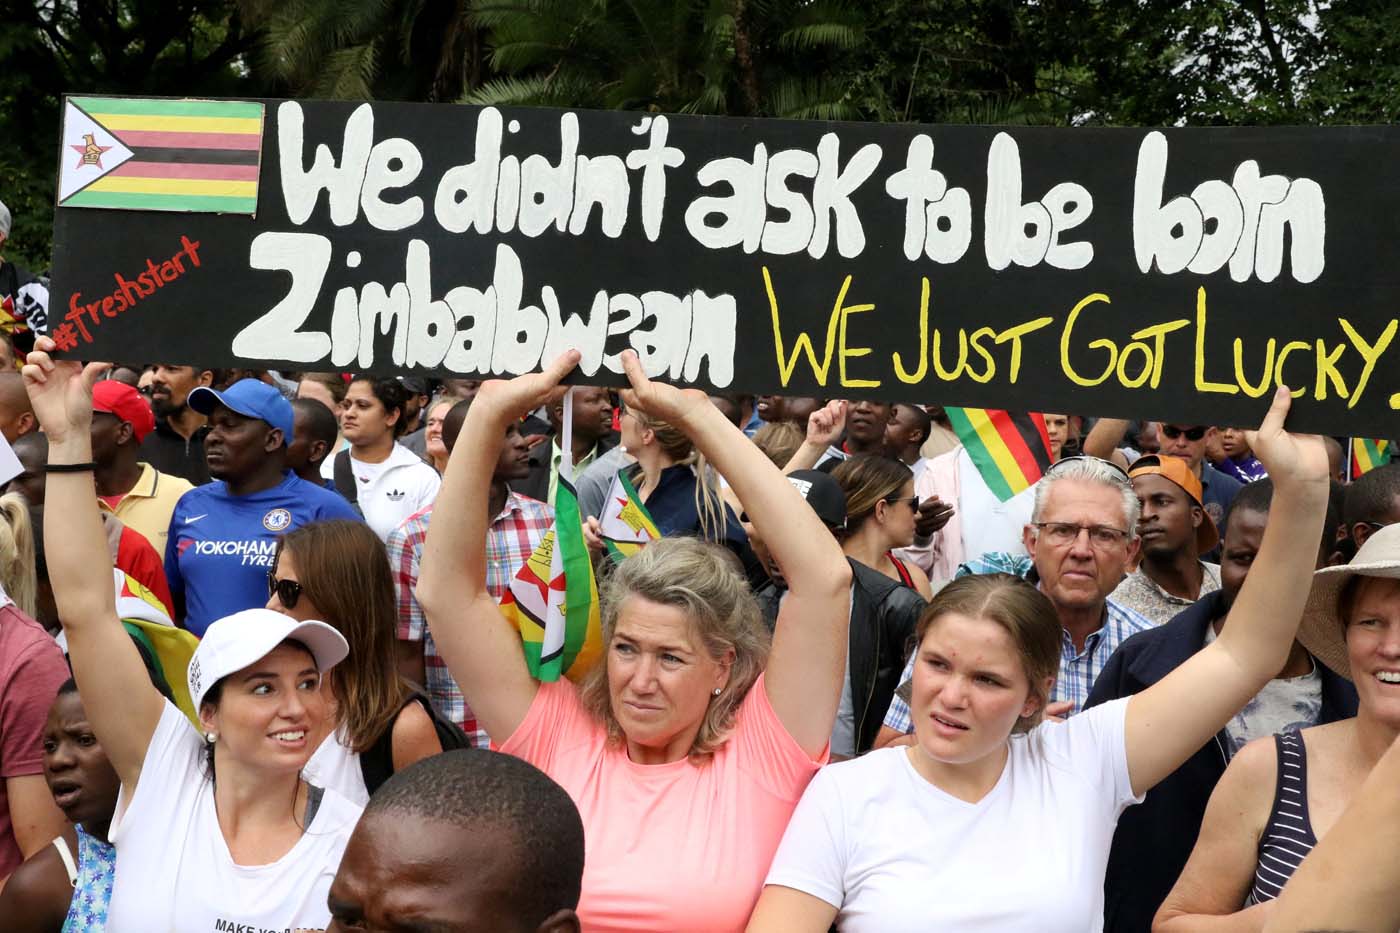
column 1367, row 454
column 626, row 525
column 553, row 599
column 1010, row 451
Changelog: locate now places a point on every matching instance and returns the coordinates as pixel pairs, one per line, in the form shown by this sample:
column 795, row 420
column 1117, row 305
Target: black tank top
column 1288, row 837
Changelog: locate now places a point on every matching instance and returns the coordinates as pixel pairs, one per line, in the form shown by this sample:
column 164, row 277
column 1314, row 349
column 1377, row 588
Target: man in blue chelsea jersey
column 223, row 534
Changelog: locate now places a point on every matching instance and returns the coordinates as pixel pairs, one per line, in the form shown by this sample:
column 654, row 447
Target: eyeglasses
column 912, row 500
column 1172, row 432
column 286, row 591
column 1063, row 462
column 1061, row 534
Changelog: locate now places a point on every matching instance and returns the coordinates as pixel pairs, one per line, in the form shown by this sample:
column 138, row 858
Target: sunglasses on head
column 286, row 591
column 1065, row 461
column 1192, row 434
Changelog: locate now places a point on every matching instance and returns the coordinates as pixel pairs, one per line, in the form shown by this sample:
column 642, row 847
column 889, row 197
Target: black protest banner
column 1179, row 274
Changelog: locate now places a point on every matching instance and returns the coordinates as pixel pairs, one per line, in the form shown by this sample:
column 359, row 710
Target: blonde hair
column 709, row 506
column 701, row 580
column 17, row 572
column 779, row 441
column 1021, row 610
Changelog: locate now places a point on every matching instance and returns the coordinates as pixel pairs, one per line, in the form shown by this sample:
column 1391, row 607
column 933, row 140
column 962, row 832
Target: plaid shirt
column 512, row 538
column 1078, row 669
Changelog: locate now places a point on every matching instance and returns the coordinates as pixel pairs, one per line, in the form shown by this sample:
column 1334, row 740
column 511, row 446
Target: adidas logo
column 395, row 495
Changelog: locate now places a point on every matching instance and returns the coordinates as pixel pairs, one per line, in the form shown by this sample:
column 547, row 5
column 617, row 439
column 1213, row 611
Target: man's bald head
column 16, row 416
column 464, row 841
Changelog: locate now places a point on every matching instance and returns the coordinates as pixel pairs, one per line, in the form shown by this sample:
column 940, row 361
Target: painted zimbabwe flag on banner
column 1367, row 454
column 160, row 155
column 626, row 525
column 1010, row 451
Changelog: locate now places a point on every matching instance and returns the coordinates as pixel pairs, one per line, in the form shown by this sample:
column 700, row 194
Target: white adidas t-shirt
column 174, row 873
column 894, row 853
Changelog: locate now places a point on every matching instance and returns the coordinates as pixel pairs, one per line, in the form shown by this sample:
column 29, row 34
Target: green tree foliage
column 49, row 47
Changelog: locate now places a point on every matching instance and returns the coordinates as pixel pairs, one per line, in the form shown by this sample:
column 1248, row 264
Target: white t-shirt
column 988, row 524
column 893, row 852
column 174, row 872
column 335, row 767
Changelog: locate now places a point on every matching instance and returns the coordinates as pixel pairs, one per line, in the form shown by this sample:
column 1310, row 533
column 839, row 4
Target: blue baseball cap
column 249, row 398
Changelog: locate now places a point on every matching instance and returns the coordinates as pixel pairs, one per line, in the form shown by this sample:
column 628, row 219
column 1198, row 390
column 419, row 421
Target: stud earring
column 716, row 691
column 211, row 737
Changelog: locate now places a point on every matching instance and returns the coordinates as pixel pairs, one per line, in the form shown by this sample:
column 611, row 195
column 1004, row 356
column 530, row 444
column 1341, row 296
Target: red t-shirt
column 31, row 670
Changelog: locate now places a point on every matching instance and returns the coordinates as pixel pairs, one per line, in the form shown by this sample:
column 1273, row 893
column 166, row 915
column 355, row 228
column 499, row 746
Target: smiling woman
column 211, row 831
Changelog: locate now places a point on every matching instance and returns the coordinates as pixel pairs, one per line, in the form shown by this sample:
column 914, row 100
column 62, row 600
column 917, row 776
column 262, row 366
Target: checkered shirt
column 512, row 538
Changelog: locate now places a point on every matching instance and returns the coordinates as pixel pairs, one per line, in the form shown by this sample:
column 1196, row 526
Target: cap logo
column 804, row 486
column 194, row 677
column 277, row 520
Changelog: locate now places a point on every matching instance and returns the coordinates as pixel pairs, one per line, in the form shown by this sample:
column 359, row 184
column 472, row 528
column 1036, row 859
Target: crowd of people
column 254, row 674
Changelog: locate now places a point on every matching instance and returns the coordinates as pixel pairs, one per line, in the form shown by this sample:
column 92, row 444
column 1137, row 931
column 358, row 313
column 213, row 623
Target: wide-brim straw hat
column 1323, row 631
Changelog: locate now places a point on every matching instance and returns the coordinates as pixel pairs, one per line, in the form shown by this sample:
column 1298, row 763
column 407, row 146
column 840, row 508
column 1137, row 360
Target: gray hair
column 1090, row 470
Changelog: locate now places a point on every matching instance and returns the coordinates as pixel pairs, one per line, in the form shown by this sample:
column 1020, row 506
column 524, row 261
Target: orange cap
column 1176, row 470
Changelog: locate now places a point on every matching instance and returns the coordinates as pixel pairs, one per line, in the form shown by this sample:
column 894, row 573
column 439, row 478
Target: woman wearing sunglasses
column 337, row 572
column 880, row 512
column 902, row 838
column 214, row 828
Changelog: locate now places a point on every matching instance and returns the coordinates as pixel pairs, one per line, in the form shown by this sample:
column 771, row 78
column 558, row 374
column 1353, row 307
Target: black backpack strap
column 344, row 479
column 377, row 761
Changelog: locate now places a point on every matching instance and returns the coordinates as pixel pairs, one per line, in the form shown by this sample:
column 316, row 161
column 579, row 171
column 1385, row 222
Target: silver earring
column 717, row 691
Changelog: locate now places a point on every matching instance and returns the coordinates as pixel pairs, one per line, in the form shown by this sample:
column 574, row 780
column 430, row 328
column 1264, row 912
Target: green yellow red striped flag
column 1010, row 451
column 1368, row 453
column 157, row 154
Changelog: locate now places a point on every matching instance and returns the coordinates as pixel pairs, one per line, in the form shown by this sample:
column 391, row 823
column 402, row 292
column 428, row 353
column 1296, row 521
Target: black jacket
column 884, row 613
column 1155, row 838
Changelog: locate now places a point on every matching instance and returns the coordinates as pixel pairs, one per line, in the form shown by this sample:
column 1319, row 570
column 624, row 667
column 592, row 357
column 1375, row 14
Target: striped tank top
column 1288, row 837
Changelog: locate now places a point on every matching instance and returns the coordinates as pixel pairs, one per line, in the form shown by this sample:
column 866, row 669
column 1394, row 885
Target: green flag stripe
column 157, row 107
column 578, row 569
column 209, row 204
column 981, row 457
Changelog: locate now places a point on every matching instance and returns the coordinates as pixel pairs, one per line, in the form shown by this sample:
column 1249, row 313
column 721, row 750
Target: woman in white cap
column 1282, row 794
column 217, row 830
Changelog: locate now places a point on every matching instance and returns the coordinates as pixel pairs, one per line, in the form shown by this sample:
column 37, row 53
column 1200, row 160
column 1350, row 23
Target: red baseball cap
column 120, row 399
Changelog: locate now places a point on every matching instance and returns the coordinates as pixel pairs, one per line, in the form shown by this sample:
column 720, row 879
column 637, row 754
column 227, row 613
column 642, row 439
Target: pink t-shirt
column 670, row 847
column 32, row 669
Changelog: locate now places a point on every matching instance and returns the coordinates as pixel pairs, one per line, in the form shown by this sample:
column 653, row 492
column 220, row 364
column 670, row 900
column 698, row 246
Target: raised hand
column 657, row 399
column 60, row 391
column 932, row 516
column 825, row 425
column 517, row 397
column 1299, row 458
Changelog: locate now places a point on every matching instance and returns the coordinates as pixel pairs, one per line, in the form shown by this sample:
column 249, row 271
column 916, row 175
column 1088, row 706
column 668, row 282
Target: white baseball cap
column 234, row 642
column 4, row 221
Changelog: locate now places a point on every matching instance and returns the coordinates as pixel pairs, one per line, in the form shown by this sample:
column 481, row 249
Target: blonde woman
column 688, row 746
column 18, row 578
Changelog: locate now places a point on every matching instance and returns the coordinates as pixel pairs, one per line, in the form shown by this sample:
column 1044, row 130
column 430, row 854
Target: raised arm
column 824, row 427
column 808, row 658
column 1104, row 437
column 1176, row 716
column 482, row 649
column 122, row 704
column 1351, row 880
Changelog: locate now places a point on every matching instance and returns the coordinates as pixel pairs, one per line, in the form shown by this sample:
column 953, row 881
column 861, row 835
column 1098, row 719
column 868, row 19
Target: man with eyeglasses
column 1081, row 538
column 1174, row 530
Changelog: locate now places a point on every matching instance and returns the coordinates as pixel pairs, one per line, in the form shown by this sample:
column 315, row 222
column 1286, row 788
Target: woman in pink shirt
column 688, row 747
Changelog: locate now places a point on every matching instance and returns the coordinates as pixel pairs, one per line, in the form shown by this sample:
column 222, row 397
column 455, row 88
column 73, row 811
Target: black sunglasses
column 286, row 591
column 1192, row 434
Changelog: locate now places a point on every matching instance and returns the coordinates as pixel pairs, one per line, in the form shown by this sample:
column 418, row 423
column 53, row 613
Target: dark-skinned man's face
column 237, row 446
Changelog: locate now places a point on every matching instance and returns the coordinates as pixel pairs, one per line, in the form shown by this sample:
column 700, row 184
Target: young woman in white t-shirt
column 991, row 821
column 214, row 828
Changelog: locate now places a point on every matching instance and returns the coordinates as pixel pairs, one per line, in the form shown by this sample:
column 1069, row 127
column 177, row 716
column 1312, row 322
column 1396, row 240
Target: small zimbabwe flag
column 1010, row 451
column 158, row 154
column 1367, row 454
